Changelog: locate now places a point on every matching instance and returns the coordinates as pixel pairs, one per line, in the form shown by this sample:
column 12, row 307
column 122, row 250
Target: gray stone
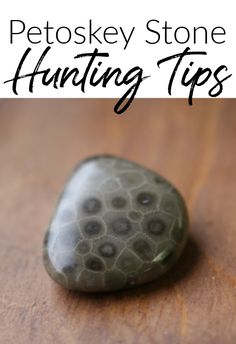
column 116, row 225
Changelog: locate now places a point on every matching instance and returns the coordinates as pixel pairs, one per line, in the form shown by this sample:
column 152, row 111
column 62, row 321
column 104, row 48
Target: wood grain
column 40, row 142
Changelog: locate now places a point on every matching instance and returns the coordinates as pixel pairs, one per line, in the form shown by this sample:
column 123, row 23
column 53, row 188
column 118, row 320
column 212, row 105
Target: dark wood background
column 194, row 147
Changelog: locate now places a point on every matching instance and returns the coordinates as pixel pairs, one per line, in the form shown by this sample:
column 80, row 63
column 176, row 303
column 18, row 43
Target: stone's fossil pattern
column 116, row 225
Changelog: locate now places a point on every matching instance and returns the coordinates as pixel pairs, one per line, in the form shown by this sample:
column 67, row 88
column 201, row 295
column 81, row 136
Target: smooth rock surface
column 116, row 225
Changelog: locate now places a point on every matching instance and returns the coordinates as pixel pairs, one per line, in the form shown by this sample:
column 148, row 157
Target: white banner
column 120, row 49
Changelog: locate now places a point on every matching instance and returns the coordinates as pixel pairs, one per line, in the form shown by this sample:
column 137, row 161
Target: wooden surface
column 40, row 142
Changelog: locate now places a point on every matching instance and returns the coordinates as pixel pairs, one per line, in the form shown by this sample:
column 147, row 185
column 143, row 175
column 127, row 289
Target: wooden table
column 195, row 147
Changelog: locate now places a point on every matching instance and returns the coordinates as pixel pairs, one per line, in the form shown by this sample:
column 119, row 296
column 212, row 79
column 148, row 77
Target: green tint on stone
column 116, row 225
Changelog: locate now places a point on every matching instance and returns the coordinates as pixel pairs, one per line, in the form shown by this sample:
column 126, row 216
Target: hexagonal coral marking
column 118, row 200
column 110, row 185
column 107, row 250
column 119, row 225
column 83, row 247
column 101, row 249
column 128, row 262
column 142, row 246
column 94, row 263
column 93, row 227
column 130, row 180
column 157, row 225
column 89, row 204
column 92, row 205
column 144, row 199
